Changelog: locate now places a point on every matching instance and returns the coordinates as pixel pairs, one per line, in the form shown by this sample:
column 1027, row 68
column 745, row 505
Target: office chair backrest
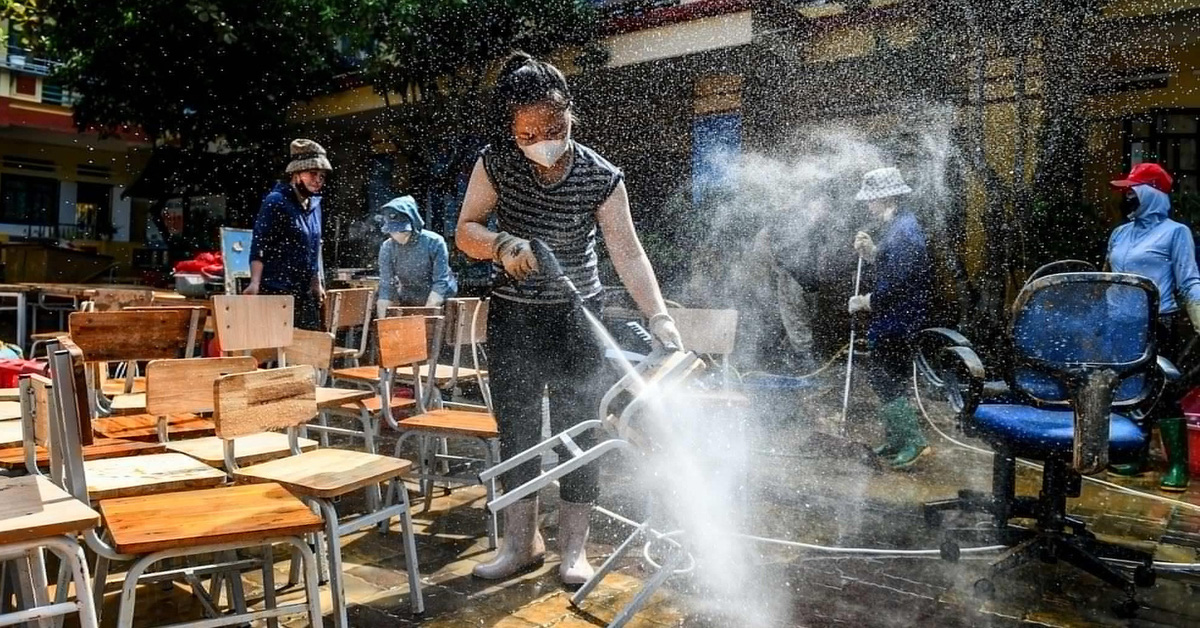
column 1062, row 266
column 1086, row 340
column 1083, row 320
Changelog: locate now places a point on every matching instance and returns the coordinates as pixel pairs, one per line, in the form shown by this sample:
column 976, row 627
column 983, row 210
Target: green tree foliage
column 190, row 72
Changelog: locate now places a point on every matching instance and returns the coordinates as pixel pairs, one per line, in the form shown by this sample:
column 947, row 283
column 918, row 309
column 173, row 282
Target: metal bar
column 39, row 614
column 850, row 353
column 537, row 450
column 244, row 564
column 647, row 590
column 512, row 496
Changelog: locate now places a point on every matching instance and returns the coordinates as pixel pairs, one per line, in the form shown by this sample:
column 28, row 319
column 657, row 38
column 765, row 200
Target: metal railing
column 20, row 59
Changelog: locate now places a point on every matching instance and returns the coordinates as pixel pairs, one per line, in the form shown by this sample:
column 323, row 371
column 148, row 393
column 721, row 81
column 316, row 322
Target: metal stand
column 621, row 431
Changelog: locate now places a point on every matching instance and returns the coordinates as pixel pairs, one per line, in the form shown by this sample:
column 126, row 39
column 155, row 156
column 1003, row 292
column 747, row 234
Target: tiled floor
column 798, row 491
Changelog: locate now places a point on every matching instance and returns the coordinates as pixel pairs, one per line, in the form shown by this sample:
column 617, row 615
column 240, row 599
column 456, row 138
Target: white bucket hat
column 882, row 183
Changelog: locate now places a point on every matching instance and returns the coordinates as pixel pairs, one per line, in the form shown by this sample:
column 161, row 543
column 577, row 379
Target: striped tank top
column 563, row 215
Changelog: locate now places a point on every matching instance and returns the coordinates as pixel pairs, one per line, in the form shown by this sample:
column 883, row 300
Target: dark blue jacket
column 287, row 240
column 903, row 285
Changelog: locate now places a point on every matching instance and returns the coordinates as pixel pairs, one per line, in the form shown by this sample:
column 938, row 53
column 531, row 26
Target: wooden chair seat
column 373, row 405
column 442, row 374
column 32, row 507
column 145, row 426
column 344, row 352
column 326, row 473
column 145, row 524
column 248, row 450
column 13, row 458
column 366, row 374
column 126, row 404
column 458, row 422
column 332, row 398
column 114, row 387
column 46, row 335
column 146, row 475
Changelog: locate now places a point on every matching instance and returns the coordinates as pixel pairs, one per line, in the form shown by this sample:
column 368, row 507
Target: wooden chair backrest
column 402, row 341
column 352, row 306
column 78, row 376
column 110, row 300
column 461, row 314
column 253, row 322
column 262, row 401
column 185, row 386
column 131, row 335
column 310, row 348
column 706, row 331
column 42, row 390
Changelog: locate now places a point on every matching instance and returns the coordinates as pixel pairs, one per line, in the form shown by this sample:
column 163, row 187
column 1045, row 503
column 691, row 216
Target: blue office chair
column 1083, row 365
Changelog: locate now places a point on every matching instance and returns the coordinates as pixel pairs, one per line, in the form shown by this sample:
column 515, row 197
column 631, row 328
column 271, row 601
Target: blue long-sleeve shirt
column 903, row 287
column 287, row 240
column 1158, row 248
column 409, row 272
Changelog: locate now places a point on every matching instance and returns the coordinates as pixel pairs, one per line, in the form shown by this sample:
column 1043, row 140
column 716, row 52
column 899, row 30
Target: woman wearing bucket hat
column 897, row 303
column 285, row 254
column 1156, row 247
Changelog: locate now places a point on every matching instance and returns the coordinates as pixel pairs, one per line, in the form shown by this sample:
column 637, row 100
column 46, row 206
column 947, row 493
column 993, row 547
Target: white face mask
column 546, row 153
column 402, row 237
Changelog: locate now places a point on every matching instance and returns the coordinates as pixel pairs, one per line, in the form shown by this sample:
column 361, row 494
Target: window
column 28, row 200
column 93, row 210
column 1169, row 138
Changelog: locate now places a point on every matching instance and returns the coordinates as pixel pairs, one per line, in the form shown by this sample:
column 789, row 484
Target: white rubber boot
column 520, row 547
column 573, row 524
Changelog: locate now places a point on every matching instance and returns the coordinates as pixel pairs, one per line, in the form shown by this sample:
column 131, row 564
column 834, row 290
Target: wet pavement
column 796, row 494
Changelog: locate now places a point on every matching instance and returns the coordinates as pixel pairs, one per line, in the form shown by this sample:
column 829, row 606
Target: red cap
column 1146, row 174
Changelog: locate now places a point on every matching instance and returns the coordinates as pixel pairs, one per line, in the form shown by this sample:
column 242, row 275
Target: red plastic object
column 12, row 369
column 207, row 258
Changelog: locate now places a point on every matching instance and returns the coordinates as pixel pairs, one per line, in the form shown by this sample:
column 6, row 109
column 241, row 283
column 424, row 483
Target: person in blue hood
column 414, row 264
column 285, row 252
column 898, row 304
column 1162, row 250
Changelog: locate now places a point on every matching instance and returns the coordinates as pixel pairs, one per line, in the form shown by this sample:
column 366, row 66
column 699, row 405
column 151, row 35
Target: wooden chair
column 149, row 529
column 316, row 349
column 246, row 323
column 350, row 309
column 34, row 454
column 397, row 339
column 250, row 403
column 128, row 337
column 37, row 515
column 185, row 386
column 110, row 477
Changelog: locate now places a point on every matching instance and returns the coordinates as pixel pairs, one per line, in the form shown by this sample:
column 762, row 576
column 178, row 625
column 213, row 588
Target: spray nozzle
column 548, row 267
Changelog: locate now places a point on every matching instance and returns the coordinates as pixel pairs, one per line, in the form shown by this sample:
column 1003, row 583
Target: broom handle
column 850, row 353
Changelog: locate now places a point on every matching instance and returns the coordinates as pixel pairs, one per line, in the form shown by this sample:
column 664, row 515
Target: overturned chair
column 1084, row 366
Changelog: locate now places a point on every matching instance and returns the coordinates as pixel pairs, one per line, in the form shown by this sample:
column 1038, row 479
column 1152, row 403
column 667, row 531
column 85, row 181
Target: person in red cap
column 1154, row 246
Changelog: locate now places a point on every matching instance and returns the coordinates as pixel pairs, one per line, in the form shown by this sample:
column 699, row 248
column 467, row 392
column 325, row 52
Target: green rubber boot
column 1174, row 438
column 1131, row 469
column 891, row 440
column 908, row 431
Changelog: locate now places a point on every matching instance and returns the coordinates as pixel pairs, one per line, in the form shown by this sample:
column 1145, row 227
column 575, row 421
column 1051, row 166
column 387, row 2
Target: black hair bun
column 515, row 62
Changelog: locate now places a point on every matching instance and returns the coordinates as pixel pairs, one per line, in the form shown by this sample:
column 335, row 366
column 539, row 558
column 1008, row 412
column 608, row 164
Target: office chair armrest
column 1168, row 369
column 964, row 379
column 926, row 354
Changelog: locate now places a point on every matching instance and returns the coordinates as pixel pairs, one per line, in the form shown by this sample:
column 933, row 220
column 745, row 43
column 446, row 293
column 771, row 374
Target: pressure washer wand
column 850, row 354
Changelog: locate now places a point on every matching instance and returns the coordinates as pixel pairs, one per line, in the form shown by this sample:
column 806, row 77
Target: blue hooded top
column 903, row 284
column 287, row 240
column 1158, row 248
column 409, row 272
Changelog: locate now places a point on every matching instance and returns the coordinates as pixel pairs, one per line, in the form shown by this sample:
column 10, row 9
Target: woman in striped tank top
column 541, row 184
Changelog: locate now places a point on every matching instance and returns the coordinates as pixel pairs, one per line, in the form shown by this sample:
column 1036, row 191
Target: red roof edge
column 666, row 16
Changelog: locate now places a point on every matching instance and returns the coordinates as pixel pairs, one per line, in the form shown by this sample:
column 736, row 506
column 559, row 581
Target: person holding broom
column 898, row 307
